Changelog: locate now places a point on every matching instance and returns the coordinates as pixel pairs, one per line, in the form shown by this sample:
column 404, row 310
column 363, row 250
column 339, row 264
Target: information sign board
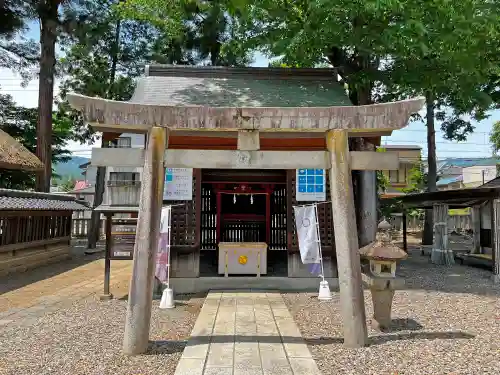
column 178, row 184
column 311, row 185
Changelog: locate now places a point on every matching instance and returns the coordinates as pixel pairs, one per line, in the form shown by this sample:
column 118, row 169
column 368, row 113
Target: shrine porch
column 188, row 285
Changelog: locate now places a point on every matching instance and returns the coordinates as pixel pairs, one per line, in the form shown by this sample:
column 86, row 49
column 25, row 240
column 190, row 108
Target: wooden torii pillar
column 140, row 297
column 352, row 302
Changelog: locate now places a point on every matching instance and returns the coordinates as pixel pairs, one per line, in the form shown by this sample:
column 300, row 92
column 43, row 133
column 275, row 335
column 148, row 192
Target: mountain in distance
column 70, row 168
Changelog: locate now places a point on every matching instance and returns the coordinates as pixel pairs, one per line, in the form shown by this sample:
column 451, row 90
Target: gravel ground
column 86, row 339
column 446, row 321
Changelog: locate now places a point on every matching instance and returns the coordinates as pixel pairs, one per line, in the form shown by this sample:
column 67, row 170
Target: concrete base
column 382, row 305
column 298, row 269
column 203, row 284
column 495, row 279
column 105, row 297
column 185, row 264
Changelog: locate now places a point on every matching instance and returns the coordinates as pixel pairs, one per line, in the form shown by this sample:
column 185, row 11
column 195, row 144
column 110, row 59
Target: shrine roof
column 13, row 155
column 265, row 99
column 455, row 198
column 239, row 87
column 16, row 200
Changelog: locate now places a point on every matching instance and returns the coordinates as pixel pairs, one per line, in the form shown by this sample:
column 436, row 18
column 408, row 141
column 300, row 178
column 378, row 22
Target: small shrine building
column 258, row 142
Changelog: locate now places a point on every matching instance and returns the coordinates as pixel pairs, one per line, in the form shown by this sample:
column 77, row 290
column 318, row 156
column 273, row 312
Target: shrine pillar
column 367, row 202
column 346, row 241
column 140, row 297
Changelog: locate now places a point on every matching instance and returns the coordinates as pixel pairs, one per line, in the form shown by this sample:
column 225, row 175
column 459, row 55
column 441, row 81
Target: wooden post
column 367, row 197
column 346, row 241
column 218, row 224
column 107, row 262
column 495, row 229
column 405, row 242
column 148, row 225
column 441, row 254
column 268, row 218
column 476, row 230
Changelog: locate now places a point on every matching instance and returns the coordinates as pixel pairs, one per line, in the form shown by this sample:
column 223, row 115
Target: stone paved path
column 246, row 333
column 26, row 296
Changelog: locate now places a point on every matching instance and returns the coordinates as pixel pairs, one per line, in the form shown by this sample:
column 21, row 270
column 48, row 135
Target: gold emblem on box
column 242, row 259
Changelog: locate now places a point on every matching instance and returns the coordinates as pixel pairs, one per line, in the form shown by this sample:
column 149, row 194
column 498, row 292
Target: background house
column 409, row 158
column 459, row 173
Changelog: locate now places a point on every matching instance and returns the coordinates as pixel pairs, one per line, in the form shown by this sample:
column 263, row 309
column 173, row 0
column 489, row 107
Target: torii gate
column 337, row 124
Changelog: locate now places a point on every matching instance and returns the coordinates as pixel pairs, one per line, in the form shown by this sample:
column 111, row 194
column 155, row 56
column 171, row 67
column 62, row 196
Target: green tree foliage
column 194, row 32
column 402, row 47
column 67, row 184
column 21, row 123
column 102, row 58
column 495, row 137
column 417, row 179
column 16, row 52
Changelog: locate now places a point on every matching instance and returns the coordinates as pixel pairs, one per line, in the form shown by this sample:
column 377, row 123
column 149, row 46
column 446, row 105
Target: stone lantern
column 380, row 276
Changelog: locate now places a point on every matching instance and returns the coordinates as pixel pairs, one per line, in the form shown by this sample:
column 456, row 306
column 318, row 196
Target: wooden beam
column 117, row 157
column 223, row 159
column 140, row 295
column 230, row 159
column 127, row 117
column 346, row 242
column 248, row 140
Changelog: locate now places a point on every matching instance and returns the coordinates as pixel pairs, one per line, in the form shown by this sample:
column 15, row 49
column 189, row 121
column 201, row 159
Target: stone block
column 382, row 305
column 304, row 366
column 190, row 366
column 220, row 355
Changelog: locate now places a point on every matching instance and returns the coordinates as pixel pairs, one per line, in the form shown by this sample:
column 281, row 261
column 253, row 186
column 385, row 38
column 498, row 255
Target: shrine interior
column 243, row 206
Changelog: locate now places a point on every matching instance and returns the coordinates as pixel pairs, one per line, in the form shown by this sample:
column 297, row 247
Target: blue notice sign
column 311, row 185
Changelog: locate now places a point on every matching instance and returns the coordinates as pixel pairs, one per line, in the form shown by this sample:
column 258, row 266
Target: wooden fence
column 80, row 228
column 458, row 223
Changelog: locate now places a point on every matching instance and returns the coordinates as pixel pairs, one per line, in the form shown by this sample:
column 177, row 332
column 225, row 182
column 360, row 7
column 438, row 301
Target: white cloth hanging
column 307, row 234
column 163, row 255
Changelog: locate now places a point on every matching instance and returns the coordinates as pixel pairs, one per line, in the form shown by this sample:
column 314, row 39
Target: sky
column 477, row 144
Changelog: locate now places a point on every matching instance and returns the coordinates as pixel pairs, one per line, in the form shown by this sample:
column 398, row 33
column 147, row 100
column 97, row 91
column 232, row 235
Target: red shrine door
column 243, row 212
column 243, row 206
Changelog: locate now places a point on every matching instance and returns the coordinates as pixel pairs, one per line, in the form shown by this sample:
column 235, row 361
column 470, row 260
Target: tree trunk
column 427, row 237
column 365, row 182
column 48, row 35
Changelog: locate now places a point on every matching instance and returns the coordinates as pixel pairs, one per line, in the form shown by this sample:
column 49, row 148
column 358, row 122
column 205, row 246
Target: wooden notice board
column 122, row 239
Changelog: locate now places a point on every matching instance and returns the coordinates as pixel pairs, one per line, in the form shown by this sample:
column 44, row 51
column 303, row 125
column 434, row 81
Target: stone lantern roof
column 382, row 248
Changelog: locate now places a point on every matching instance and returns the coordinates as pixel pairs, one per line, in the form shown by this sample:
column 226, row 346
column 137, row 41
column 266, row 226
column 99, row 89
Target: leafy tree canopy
column 383, row 49
column 495, row 137
column 194, row 32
